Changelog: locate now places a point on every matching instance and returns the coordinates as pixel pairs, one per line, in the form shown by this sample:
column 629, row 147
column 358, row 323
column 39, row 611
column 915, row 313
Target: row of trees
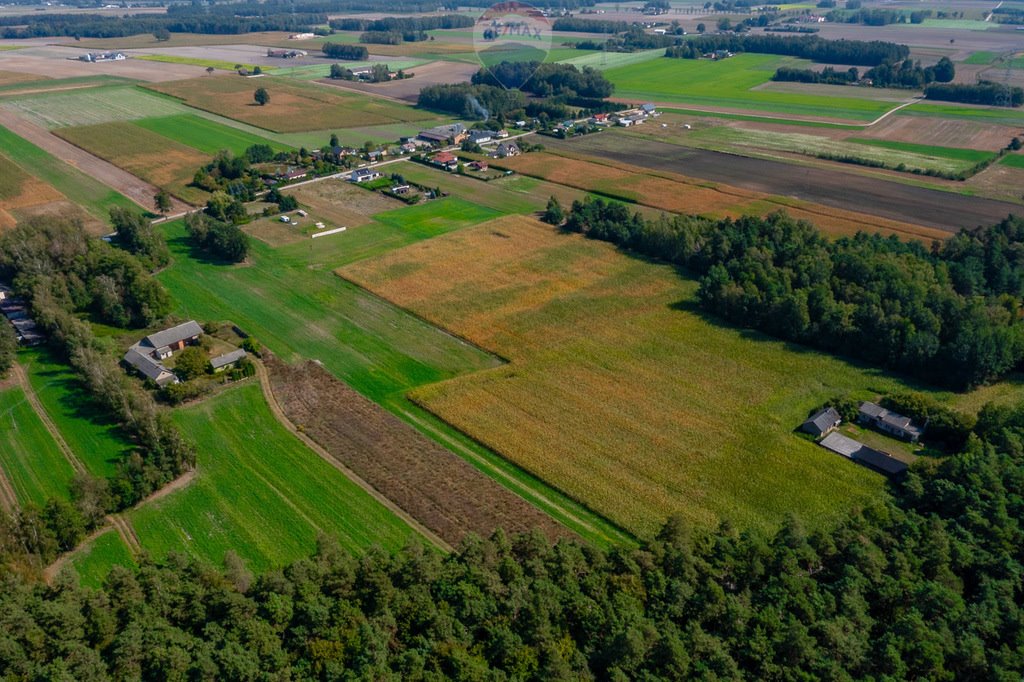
column 949, row 315
column 403, row 24
column 984, row 92
column 342, row 51
column 905, row 74
column 923, row 586
column 879, row 17
column 546, row 79
column 855, row 52
column 103, row 26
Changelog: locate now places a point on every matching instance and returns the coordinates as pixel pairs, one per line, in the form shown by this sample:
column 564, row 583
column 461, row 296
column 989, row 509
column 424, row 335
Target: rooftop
column 181, row 332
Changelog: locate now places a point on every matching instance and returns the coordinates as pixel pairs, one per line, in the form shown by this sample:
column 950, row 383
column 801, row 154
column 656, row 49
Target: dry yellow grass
column 680, row 194
column 619, row 392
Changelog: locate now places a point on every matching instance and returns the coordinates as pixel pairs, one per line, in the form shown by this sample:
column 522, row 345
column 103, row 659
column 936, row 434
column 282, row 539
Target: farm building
column 448, row 134
column 862, row 454
column 481, row 136
column 821, row 422
column 154, row 370
column 292, row 174
column 364, row 175
column 163, row 344
column 16, row 312
column 477, row 165
column 445, row 160
column 103, row 57
column 884, row 420
column 286, row 54
column 223, row 362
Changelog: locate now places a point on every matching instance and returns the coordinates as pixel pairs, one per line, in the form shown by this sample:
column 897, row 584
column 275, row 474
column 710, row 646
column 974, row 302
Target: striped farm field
column 294, row 106
column 29, row 457
column 88, row 106
column 619, row 392
column 260, row 492
column 146, row 154
column 205, row 135
column 927, row 150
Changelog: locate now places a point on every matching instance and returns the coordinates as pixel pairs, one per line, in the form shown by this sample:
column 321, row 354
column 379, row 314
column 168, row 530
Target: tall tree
column 261, row 96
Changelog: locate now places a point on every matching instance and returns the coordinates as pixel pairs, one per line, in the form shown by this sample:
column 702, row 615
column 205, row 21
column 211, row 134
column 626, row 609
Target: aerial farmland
column 573, row 340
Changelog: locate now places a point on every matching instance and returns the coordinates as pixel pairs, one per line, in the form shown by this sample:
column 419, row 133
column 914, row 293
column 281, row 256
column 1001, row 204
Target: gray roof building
column 163, row 341
column 153, row 370
column 862, row 454
column 221, row 361
column 888, row 421
column 821, row 422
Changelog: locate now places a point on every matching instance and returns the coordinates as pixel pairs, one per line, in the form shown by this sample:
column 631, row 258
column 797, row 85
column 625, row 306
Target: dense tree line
column 472, row 101
column 579, row 25
column 350, row 52
column 950, row 316
column 102, row 26
column 218, row 236
column 630, row 41
column 547, row 79
column 856, row 52
column 135, row 234
column 924, row 586
column 984, row 92
column 905, row 74
column 403, row 24
column 8, row 347
column 879, row 17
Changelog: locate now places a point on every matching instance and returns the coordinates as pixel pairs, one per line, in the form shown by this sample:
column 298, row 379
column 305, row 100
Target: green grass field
column 730, row 84
column 612, row 60
column 996, row 115
column 1013, row 160
column 290, row 299
column 981, row 57
column 205, row 135
column 968, row 24
column 31, row 460
column 260, row 492
column 89, row 106
column 78, row 187
column 93, row 437
column 92, row 562
column 955, row 153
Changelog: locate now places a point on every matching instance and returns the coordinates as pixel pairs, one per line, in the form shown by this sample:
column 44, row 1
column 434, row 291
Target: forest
column 949, row 314
column 906, row 74
column 984, row 92
column 926, row 585
column 546, row 80
column 342, row 51
column 854, row 52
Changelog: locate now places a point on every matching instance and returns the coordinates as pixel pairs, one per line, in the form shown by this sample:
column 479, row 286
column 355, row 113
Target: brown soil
column 408, row 90
column 433, row 485
column 942, row 132
column 136, row 189
column 343, row 203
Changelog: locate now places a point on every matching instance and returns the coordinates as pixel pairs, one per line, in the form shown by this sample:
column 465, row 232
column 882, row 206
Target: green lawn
column 260, row 492
column 31, row 460
column 290, row 299
column 955, row 153
column 204, row 134
column 982, row 57
column 730, row 83
column 78, row 187
column 92, row 436
column 92, row 562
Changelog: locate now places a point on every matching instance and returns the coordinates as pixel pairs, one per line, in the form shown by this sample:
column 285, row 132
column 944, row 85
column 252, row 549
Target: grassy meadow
column 30, row 458
column 93, row 562
column 619, row 392
column 259, row 491
column 88, row 106
column 205, row 135
column 995, row 115
column 1013, row 160
column 730, row 84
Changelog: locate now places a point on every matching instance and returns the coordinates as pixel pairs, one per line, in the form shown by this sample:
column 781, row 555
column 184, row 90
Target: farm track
column 127, row 533
column 8, row 498
column 135, row 188
column 945, row 211
column 33, row 399
column 275, row 408
column 426, row 480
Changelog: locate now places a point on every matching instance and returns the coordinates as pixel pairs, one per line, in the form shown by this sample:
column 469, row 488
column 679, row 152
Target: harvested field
column 618, row 391
column 409, row 89
column 14, row 77
column 89, row 106
column 680, row 194
column 294, row 105
column 942, row 132
column 342, row 202
column 872, row 202
column 143, row 153
column 1002, row 180
column 431, row 484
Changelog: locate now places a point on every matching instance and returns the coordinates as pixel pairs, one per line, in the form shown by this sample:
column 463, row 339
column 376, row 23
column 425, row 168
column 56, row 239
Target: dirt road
column 848, row 191
column 136, row 189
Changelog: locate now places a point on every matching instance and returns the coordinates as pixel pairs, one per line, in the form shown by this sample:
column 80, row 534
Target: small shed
column 821, row 422
column 222, row 362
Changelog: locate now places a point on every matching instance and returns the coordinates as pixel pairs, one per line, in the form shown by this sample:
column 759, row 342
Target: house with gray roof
column 222, row 362
column 821, row 422
column 164, row 343
column 152, row 369
column 889, row 422
column 862, row 454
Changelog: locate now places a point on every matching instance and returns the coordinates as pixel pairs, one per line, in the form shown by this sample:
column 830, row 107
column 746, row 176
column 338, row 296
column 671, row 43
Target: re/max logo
column 520, row 29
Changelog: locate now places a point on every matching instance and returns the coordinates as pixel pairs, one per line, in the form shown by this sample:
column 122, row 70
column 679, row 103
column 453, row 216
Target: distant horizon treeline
column 855, row 52
column 950, row 315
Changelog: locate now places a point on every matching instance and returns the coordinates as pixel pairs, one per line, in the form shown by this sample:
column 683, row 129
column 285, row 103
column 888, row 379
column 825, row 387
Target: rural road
column 136, row 189
column 848, row 191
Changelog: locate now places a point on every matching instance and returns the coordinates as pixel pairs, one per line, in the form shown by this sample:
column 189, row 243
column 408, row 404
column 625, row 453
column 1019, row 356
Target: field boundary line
column 50, row 572
column 275, row 409
column 33, row 399
column 127, row 533
column 8, row 498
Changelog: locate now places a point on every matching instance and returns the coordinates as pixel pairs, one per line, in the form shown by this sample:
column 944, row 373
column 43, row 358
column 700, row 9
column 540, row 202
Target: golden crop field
column 294, row 106
column 619, row 391
column 680, row 194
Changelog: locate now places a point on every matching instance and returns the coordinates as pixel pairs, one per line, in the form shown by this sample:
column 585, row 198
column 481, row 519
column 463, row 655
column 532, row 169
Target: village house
column 506, row 149
column 889, row 422
column 163, row 344
column 223, row 362
column 364, row 175
column 445, row 160
column 477, row 165
column 454, row 133
column 481, row 136
column 151, row 369
column 821, row 422
column 103, row 57
column 292, row 174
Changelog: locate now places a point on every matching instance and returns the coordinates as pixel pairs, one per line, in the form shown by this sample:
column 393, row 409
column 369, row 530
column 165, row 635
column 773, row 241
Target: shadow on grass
column 183, row 245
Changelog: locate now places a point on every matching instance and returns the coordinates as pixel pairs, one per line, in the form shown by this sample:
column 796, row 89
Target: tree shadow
column 183, row 244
